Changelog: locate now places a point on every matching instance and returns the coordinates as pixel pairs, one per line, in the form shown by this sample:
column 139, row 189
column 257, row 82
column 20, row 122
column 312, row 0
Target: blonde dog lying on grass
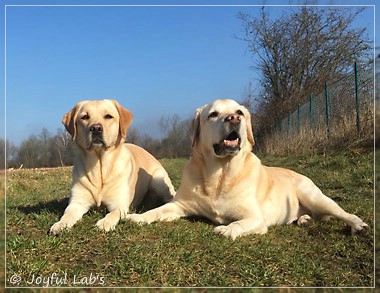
column 226, row 183
column 106, row 170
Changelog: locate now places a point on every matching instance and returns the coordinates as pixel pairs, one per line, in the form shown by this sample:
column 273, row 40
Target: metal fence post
column 298, row 118
column 357, row 97
column 278, row 125
column 311, row 118
column 327, row 109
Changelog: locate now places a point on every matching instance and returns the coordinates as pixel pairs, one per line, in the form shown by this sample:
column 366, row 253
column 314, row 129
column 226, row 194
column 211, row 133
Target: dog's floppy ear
column 249, row 127
column 125, row 120
column 195, row 126
column 68, row 121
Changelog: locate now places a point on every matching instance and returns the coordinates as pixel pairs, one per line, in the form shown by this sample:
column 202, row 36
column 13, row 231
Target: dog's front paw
column 57, row 228
column 232, row 231
column 359, row 227
column 106, row 225
column 304, row 220
column 240, row 228
column 110, row 221
column 136, row 218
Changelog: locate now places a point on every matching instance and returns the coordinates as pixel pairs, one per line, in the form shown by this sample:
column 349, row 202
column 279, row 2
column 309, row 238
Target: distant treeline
column 43, row 150
column 53, row 150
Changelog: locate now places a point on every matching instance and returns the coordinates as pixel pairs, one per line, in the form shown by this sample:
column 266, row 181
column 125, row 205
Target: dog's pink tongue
column 231, row 143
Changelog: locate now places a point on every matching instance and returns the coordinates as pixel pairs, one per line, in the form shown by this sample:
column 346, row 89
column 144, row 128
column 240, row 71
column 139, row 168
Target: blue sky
column 154, row 60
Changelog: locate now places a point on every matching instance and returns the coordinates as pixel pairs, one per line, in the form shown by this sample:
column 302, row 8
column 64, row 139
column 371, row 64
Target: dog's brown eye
column 239, row 112
column 85, row 117
column 213, row 115
column 108, row 116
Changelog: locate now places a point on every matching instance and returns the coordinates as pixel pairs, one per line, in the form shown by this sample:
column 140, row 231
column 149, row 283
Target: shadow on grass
column 315, row 229
column 54, row 206
column 322, row 229
column 196, row 219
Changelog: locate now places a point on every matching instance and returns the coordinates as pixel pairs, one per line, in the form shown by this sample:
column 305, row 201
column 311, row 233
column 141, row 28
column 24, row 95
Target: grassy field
column 187, row 252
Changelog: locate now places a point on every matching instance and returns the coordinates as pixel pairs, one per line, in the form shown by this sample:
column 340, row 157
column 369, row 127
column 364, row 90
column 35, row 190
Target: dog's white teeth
column 231, row 143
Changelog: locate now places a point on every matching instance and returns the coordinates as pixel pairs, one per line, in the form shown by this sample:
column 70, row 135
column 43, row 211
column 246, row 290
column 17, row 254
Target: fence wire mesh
column 346, row 106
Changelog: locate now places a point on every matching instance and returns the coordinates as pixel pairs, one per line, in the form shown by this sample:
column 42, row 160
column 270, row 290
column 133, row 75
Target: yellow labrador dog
column 106, row 170
column 225, row 182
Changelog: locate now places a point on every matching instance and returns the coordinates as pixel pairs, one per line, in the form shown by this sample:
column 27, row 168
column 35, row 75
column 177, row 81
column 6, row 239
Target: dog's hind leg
column 161, row 186
column 312, row 198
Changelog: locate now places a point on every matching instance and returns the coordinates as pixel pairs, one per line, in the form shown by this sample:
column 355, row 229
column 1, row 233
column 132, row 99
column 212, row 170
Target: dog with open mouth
column 226, row 183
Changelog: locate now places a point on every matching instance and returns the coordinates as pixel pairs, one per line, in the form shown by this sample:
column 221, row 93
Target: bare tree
column 299, row 51
column 28, row 154
column 164, row 124
column 152, row 145
column 64, row 146
column 44, row 151
column 133, row 136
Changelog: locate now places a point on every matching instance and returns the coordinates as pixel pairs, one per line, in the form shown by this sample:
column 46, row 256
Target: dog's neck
column 96, row 163
column 215, row 171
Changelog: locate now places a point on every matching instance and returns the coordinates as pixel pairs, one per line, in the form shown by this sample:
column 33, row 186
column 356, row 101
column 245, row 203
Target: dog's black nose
column 233, row 118
column 96, row 128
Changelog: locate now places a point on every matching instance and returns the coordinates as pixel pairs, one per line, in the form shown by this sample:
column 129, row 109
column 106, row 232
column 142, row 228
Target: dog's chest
column 216, row 205
column 222, row 214
column 103, row 185
column 224, row 210
column 219, row 196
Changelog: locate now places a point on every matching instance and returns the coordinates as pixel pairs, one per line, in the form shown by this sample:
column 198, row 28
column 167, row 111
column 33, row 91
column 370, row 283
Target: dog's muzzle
column 230, row 144
column 97, row 140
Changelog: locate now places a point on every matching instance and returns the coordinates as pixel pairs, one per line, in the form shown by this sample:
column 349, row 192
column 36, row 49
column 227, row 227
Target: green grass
column 187, row 252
